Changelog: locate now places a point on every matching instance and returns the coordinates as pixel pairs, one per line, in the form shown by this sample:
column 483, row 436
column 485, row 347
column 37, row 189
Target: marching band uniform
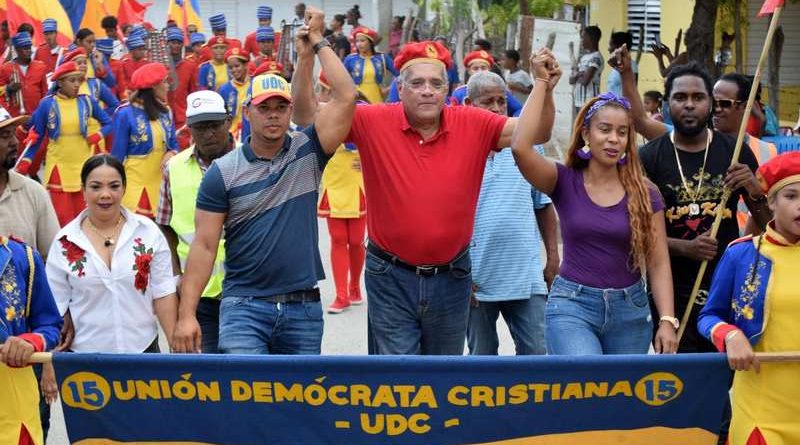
column 30, row 313
column 129, row 64
column 218, row 24
column 45, row 54
column 91, row 85
column 64, row 122
column 235, row 93
column 263, row 34
column 754, row 293
column 140, row 144
column 32, row 79
column 186, row 73
column 251, row 40
column 213, row 74
column 368, row 73
column 106, row 47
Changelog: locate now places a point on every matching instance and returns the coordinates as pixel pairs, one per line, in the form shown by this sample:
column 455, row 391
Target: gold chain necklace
column 109, row 240
column 694, row 208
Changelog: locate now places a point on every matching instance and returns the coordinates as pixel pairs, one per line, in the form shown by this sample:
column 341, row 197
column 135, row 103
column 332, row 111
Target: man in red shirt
column 49, row 51
column 423, row 164
column 251, row 44
column 23, row 77
column 186, row 82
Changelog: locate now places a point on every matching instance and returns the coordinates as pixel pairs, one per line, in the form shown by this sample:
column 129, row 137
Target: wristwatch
column 319, row 45
column 672, row 320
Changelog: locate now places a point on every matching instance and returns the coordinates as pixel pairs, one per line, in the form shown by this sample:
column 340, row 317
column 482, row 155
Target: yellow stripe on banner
column 687, row 436
column 113, row 442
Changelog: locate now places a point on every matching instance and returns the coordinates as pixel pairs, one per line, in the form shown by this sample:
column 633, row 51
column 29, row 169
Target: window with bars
column 644, row 15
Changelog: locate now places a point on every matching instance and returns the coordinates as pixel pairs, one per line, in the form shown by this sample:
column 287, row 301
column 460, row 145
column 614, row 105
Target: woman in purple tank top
column 612, row 225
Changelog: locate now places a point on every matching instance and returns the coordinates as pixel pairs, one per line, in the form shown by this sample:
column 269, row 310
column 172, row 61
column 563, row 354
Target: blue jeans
column 582, row 320
column 412, row 314
column 208, row 318
column 250, row 325
column 525, row 320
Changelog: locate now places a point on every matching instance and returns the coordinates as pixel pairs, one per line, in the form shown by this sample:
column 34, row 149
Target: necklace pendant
column 108, row 243
column 694, row 209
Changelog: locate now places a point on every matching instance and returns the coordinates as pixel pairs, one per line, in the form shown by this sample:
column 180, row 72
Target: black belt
column 424, row 271
column 301, row 296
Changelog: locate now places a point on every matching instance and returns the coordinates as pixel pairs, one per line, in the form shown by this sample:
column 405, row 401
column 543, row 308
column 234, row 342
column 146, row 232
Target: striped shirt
column 271, row 238
column 505, row 250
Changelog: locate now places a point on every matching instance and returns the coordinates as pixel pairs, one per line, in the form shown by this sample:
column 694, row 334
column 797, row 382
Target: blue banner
column 203, row 399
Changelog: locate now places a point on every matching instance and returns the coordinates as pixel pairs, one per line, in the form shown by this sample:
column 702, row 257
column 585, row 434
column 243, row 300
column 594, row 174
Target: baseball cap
column 6, row 119
column 265, row 86
column 205, row 105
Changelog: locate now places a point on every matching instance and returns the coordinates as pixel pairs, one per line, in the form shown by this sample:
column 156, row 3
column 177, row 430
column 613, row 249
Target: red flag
column 769, row 7
column 131, row 11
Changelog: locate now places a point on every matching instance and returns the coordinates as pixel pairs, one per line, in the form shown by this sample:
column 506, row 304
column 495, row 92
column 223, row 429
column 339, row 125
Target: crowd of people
column 187, row 195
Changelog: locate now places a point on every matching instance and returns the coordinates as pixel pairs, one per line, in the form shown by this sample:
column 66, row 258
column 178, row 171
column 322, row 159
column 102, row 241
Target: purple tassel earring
column 584, row 153
column 623, row 159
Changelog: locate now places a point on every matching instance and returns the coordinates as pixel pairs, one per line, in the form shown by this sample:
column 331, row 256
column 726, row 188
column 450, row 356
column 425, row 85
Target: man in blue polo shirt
column 508, row 273
column 265, row 197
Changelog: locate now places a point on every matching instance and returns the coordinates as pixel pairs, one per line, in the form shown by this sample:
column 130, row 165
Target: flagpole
column 773, row 25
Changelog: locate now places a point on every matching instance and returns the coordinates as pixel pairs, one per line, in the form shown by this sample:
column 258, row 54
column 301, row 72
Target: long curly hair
column 631, row 175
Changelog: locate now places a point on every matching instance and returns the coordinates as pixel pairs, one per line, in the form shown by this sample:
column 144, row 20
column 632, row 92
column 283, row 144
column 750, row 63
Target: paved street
column 345, row 333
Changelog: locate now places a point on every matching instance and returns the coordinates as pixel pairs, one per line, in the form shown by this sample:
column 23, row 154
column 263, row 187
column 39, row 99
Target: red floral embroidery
column 76, row 257
column 142, row 256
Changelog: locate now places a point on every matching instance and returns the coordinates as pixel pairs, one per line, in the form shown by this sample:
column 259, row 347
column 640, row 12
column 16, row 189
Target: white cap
column 204, row 106
column 6, row 119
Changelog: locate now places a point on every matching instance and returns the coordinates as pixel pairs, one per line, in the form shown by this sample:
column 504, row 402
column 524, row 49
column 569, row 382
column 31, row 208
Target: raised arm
column 538, row 170
column 620, row 60
column 304, row 104
column 333, row 120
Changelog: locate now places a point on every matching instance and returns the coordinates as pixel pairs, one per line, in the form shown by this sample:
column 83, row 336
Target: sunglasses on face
column 726, row 103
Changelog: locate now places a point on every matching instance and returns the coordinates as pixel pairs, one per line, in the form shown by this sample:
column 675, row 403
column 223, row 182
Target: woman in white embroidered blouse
column 111, row 270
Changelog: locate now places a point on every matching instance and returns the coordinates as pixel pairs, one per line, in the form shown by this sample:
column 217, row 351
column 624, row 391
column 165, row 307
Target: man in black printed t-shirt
column 690, row 166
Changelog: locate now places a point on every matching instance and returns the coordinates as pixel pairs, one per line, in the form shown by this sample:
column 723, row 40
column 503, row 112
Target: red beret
column 478, row 56
column 65, row 69
column 323, row 80
column 268, row 67
column 779, row 172
column 366, row 32
column 148, row 76
column 238, row 53
column 419, row 52
column 74, row 54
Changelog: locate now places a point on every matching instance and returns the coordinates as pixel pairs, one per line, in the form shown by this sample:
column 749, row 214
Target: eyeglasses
column 419, row 84
column 726, row 103
column 202, row 127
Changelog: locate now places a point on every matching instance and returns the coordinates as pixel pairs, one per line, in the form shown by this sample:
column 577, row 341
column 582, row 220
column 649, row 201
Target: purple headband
column 604, row 99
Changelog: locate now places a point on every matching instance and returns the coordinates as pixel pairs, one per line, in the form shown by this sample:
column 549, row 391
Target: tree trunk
column 737, row 28
column 526, row 23
column 524, row 8
column 774, row 62
column 700, row 35
column 384, row 8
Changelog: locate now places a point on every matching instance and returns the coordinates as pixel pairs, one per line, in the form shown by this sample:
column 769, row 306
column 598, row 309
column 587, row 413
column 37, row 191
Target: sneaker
column 338, row 306
column 355, row 297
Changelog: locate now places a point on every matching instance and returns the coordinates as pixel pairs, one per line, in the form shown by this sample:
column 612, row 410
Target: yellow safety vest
column 184, row 181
